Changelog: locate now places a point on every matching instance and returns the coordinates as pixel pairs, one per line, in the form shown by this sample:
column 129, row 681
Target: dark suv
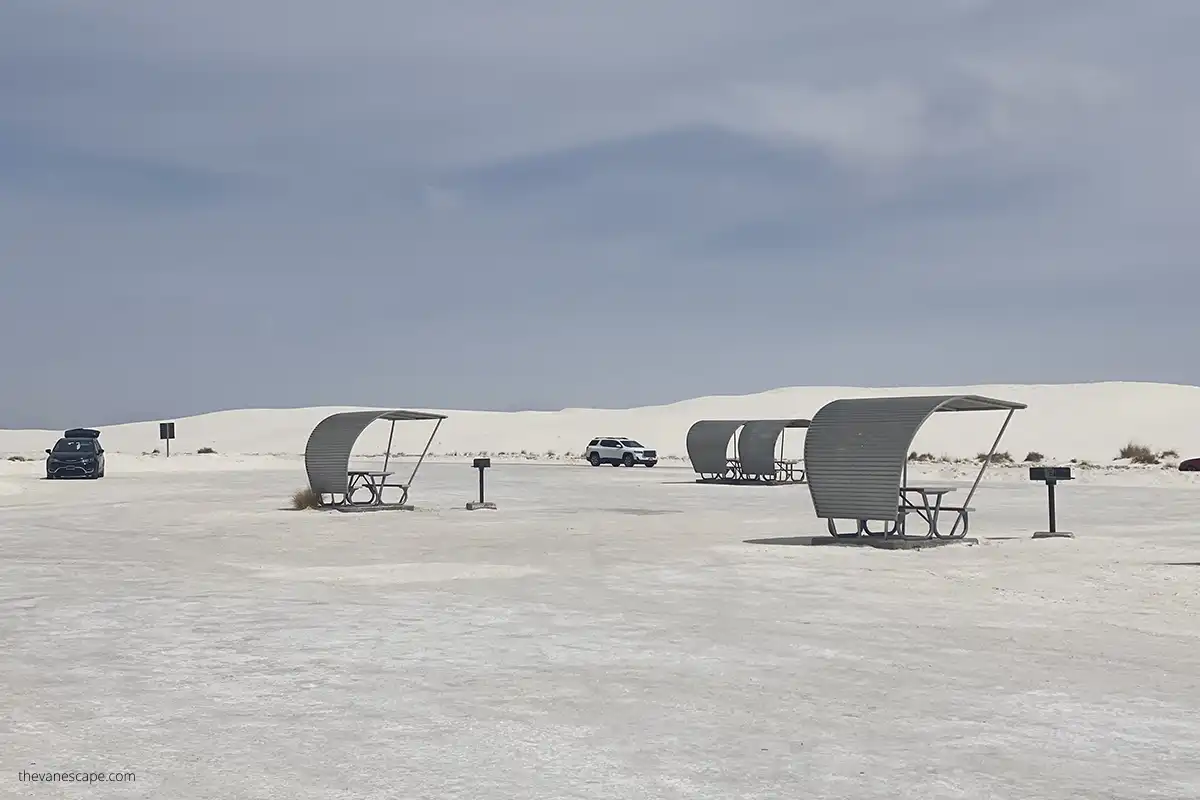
column 77, row 455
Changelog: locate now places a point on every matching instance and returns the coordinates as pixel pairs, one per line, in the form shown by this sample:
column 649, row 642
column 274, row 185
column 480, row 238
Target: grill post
column 1051, row 476
column 480, row 464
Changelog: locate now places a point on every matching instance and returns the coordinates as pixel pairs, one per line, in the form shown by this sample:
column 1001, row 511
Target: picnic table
column 787, row 470
column 929, row 509
column 374, row 481
column 931, row 512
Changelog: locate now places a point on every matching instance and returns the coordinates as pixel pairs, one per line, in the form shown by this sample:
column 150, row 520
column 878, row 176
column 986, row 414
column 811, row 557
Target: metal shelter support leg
column 429, row 443
column 782, row 473
column 982, row 469
column 388, row 452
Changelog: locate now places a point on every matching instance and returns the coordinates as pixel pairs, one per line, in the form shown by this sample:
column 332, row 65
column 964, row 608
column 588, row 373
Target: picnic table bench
column 374, row 481
column 929, row 509
column 787, row 470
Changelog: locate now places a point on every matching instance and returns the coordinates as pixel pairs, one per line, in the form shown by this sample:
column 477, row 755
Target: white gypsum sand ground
column 608, row 633
column 1072, row 421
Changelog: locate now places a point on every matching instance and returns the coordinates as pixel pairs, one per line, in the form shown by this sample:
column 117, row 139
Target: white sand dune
column 1069, row 421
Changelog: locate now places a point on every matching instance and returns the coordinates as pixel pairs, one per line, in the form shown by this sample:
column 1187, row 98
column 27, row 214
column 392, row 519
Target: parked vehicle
column 619, row 451
column 1190, row 465
column 78, row 454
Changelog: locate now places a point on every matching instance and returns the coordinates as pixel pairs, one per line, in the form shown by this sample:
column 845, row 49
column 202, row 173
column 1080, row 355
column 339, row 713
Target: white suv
column 618, row 451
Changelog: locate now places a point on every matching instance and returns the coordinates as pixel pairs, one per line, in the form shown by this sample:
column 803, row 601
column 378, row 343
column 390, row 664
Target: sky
column 546, row 204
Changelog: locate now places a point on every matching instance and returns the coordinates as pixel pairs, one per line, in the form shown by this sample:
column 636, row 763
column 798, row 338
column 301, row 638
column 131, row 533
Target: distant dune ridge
column 1089, row 421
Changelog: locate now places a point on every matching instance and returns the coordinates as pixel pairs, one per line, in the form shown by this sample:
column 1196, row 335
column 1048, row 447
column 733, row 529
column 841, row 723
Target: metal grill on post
column 1051, row 476
column 481, row 464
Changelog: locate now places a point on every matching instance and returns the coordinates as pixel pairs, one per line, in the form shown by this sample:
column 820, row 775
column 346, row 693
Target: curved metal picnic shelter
column 856, row 457
column 756, row 449
column 753, row 460
column 708, row 446
column 327, row 456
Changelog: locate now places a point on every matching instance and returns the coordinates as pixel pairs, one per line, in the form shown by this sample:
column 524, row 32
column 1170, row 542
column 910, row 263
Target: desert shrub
column 1138, row 454
column 305, row 498
column 204, row 451
column 1171, row 453
column 17, row 458
column 997, row 458
column 1033, row 457
column 1133, row 449
column 922, row 457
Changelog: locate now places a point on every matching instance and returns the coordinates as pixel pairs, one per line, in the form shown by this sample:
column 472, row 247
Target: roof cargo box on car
column 81, row 433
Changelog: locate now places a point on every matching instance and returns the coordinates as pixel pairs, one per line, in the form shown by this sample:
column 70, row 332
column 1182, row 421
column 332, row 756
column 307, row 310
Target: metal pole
column 481, row 488
column 168, row 441
column 1050, row 488
column 982, row 468
column 387, row 453
column 423, row 452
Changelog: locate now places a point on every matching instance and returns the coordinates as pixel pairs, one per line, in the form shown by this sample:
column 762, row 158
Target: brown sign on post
column 166, row 432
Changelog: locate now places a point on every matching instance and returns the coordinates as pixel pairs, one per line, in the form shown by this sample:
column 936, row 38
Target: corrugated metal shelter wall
column 855, row 453
column 708, row 444
column 756, row 445
column 327, row 454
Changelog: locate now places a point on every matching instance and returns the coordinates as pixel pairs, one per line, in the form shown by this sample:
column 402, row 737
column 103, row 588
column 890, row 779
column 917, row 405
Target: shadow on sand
column 877, row 542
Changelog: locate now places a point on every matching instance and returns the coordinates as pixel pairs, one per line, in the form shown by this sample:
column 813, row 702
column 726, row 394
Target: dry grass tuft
column 305, row 498
column 1138, row 454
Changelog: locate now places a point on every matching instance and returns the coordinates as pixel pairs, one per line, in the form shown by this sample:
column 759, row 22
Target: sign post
column 1051, row 476
column 166, row 432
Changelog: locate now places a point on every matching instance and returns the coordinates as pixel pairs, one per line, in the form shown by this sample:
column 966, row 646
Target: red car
column 1191, row 465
